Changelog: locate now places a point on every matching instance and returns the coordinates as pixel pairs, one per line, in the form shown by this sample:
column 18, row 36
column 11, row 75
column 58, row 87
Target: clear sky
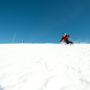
column 44, row 21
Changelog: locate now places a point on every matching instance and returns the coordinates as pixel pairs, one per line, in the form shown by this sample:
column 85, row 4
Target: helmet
column 64, row 33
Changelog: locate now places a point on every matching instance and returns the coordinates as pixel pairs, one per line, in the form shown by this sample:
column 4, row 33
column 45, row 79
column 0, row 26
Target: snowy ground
column 44, row 67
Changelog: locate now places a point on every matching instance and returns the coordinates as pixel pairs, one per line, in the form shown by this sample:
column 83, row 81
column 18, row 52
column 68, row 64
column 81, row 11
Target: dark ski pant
column 68, row 42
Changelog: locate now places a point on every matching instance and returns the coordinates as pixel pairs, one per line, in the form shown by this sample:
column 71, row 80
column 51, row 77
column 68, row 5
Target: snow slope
column 44, row 67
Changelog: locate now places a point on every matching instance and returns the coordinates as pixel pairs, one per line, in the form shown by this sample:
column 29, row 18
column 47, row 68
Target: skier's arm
column 68, row 35
column 61, row 39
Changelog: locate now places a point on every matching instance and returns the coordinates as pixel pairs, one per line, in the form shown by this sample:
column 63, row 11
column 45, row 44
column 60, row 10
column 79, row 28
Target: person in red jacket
column 65, row 38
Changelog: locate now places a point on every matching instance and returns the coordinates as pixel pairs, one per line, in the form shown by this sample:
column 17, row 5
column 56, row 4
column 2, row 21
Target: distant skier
column 65, row 38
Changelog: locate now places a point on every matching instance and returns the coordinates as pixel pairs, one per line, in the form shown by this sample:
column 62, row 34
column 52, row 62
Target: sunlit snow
column 44, row 67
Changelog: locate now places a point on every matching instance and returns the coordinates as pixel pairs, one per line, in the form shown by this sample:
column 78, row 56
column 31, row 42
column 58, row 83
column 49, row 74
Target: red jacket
column 65, row 37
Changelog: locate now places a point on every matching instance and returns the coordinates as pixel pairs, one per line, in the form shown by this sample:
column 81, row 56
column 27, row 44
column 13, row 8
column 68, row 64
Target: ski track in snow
column 44, row 67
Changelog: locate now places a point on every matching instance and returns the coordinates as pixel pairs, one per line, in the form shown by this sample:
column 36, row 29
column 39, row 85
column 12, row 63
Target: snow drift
column 44, row 67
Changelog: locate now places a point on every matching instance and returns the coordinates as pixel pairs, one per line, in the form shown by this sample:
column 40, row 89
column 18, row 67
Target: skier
column 65, row 38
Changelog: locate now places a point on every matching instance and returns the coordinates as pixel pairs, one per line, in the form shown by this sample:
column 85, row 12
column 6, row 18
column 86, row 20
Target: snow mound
column 44, row 67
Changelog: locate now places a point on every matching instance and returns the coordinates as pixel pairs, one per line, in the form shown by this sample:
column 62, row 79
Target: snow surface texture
column 44, row 67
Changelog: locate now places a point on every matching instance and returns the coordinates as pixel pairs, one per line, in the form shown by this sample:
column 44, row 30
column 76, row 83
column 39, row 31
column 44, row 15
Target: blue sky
column 44, row 21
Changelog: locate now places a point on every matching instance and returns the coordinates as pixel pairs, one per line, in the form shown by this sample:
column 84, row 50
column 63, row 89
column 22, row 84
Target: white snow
column 44, row 67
